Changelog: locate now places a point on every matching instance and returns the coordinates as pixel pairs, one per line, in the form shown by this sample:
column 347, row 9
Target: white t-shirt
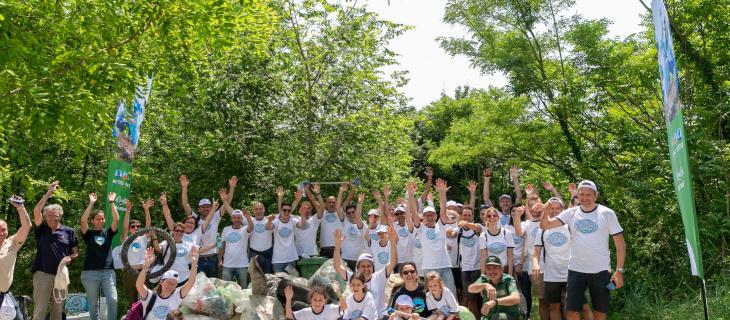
column 329, row 312
column 364, row 308
column 261, row 239
column 418, row 251
column 433, row 246
column 284, row 248
column 182, row 258
column 497, row 244
column 405, row 243
column 210, row 236
column 451, row 246
column 194, row 238
column 306, row 238
column 446, row 305
column 556, row 246
column 532, row 230
column 504, row 218
column 352, row 246
column 135, row 254
column 162, row 306
column 376, row 287
column 469, row 250
column 371, row 231
column 589, row 237
column 380, row 253
column 235, row 242
column 330, row 222
column 518, row 241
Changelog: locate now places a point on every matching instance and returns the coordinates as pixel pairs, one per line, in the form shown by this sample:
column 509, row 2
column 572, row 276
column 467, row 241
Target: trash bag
column 253, row 307
column 465, row 314
column 212, row 297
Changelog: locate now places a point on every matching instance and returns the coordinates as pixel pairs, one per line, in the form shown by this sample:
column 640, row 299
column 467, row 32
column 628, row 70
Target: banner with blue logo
column 676, row 134
column 127, row 123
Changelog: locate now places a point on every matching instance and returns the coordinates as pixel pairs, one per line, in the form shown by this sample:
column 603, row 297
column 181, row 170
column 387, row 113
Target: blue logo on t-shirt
column 233, row 237
column 533, row 234
column 586, row 226
column 504, row 219
column 284, row 232
column 182, row 251
column 403, row 232
column 517, row 239
column 99, row 240
column 445, row 310
column 259, row 228
column 557, row 239
column 136, row 246
column 161, row 311
column 469, row 242
column 418, row 243
column 187, row 238
column 351, row 232
column 354, row 314
column 306, row 226
column 418, row 305
column 497, row 247
column 431, row 234
column 383, row 257
column 330, row 217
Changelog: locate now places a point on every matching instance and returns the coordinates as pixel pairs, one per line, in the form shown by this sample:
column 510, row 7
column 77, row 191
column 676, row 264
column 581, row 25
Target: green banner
column 676, row 134
column 118, row 181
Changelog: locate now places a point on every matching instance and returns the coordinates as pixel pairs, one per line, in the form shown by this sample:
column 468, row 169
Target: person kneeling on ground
column 499, row 290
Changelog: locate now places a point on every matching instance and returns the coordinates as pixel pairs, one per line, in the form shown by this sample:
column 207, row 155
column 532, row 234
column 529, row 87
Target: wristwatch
column 620, row 270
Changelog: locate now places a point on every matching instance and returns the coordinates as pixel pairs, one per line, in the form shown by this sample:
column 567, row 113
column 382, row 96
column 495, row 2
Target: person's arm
column 412, row 208
column 338, row 201
column 472, row 187
column 317, row 192
column 337, row 256
column 125, row 221
column 270, row 222
column 249, row 225
column 297, row 200
column 193, row 272
column 289, row 294
column 147, row 217
column 477, row 228
column 535, row 260
column 385, row 217
column 115, row 214
column 221, row 252
column 318, row 206
column 510, row 261
column 429, row 183
column 393, row 261
column 379, row 200
column 25, row 225
column 184, row 183
column 573, row 191
column 442, row 188
column 515, row 174
column 618, row 275
column 74, row 254
column 479, row 287
column 517, row 221
column 232, row 182
column 279, row 198
column 549, row 187
column 547, row 223
column 358, row 210
column 485, row 188
column 139, row 284
column 350, row 194
column 38, row 209
column 84, row 224
column 226, row 198
column 222, row 193
column 166, row 212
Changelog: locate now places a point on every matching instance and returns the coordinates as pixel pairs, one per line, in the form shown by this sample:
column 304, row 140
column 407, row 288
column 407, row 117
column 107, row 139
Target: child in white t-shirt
column 360, row 305
column 318, row 309
column 439, row 299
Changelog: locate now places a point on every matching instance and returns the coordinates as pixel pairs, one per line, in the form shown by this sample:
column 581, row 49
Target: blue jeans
column 9, row 295
column 209, row 265
column 240, row 273
column 93, row 281
column 447, row 276
column 281, row 267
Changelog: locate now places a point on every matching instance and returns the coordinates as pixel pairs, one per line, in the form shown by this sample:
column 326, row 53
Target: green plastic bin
column 307, row 267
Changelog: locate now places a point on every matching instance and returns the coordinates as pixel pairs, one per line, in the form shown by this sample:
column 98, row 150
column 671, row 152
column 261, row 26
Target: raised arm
column 297, row 200
column 412, row 207
column 485, row 188
column 270, row 222
column 517, row 221
column 193, row 272
column 184, row 184
column 515, row 174
column 573, row 191
column 393, row 261
column 166, row 212
column 358, row 210
column 549, row 187
column 279, row 198
column 442, row 188
column 249, row 221
column 317, row 192
column 115, row 214
column 379, row 200
column 338, row 201
column 226, row 198
column 337, row 256
column 232, row 182
column 350, row 194
column 547, row 223
column 84, row 224
column 288, row 294
column 139, row 284
column 38, row 210
column 25, row 225
column 472, row 187
column 429, row 183
column 147, row 217
column 385, row 217
column 318, row 206
column 222, row 192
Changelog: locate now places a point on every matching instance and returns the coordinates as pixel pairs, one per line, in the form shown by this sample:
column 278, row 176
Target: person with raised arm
column 505, row 200
column 285, row 251
column 354, row 230
column 9, row 246
column 233, row 254
column 331, row 221
column 56, row 244
column 432, row 233
column 467, row 234
column 98, row 272
column 305, row 233
column 136, row 252
column 318, row 308
column 495, row 240
column 591, row 225
column 404, row 226
column 374, row 280
column 379, row 246
column 170, row 292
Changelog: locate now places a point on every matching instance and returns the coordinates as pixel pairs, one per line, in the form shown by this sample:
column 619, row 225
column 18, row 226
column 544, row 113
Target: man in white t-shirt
column 285, row 251
column 467, row 235
column 261, row 242
column 331, row 221
column 590, row 226
column 353, row 230
column 432, row 233
column 233, row 254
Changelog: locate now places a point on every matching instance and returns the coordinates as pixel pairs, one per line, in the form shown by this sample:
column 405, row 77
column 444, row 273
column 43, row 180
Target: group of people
column 445, row 257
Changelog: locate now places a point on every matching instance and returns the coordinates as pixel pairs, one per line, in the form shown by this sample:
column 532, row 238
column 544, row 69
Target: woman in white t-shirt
column 167, row 297
column 496, row 240
column 136, row 252
column 360, row 305
column 318, row 309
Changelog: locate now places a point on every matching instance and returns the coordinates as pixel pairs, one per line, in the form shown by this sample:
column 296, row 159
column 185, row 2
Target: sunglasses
column 492, row 216
column 351, row 212
column 400, row 213
column 407, row 272
column 178, row 230
column 286, row 210
column 135, row 226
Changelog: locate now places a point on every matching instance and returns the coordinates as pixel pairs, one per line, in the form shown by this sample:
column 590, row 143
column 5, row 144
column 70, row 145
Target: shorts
column 596, row 285
column 554, row 292
column 456, row 273
column 538, row 285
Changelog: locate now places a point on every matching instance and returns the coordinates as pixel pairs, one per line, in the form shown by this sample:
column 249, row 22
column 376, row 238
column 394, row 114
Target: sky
column 433, row 71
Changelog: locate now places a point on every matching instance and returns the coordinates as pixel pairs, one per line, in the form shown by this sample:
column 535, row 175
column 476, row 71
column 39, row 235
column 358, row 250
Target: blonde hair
column 433, row 276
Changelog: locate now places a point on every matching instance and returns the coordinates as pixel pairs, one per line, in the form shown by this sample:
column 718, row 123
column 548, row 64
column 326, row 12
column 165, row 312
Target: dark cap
column 493, row 260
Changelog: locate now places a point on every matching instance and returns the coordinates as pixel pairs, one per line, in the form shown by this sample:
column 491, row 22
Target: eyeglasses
column 286, row 210
column 400, row 213
column 178, row 230
column 407, row 272
column 134, row 226
column 492, row 216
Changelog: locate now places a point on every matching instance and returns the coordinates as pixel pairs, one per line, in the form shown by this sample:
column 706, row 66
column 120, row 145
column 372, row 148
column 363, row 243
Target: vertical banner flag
column 126, row 132
column 676, row 135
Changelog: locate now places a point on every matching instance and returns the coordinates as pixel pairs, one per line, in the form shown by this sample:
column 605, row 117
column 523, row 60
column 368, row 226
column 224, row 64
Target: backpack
column 137, row 310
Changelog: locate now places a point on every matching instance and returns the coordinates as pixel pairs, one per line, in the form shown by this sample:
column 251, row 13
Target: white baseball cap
column 588, row 184
column 404, row 300
column 429, row 209
column 374, row 212
column 237, row 212
column 170, row 274
column 203, row 201
column 381, row 228
column 451, row 203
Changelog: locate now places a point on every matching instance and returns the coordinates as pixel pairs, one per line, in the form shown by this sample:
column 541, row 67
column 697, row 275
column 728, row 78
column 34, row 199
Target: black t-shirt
column 52, row 246
column 98, row 247
column 419, row 299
